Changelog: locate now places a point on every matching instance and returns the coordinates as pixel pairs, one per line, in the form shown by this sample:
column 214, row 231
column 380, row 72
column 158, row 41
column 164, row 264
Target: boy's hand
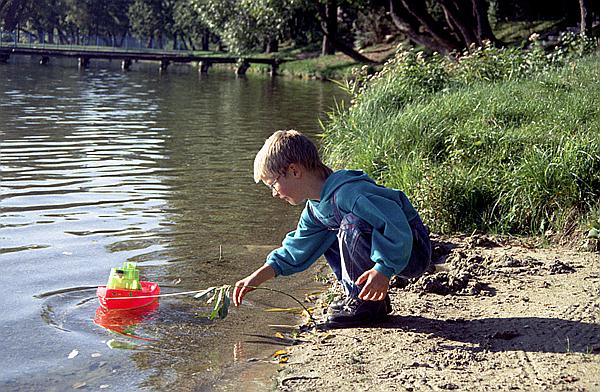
column 375, row 287
column 241, row 289
column 249, row 283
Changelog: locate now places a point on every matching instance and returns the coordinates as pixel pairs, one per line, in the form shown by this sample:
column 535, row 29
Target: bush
column 494, row 139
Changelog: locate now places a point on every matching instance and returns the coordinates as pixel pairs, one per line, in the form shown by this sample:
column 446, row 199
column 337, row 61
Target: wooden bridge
column 85, row 54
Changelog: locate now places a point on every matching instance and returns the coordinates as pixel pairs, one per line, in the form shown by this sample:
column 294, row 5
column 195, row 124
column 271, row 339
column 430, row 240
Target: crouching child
column 367, row 232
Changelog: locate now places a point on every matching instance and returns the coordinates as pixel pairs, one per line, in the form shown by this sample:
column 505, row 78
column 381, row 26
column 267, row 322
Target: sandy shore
column 498, row 315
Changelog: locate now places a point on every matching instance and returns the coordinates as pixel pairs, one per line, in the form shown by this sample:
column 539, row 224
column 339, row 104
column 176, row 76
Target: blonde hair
column 282, row 149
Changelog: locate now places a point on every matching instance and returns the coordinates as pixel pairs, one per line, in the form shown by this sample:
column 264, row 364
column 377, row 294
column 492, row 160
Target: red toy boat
column 128, row 299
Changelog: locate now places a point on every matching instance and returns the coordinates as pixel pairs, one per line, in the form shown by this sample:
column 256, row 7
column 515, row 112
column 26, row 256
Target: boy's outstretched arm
column 375, row 287
column 246, row 285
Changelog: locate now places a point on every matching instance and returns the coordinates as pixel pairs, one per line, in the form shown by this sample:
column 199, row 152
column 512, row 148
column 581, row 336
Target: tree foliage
column 261, row 25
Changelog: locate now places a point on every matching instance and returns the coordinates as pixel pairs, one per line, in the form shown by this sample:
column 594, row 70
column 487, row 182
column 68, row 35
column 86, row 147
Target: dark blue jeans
column 350, row 256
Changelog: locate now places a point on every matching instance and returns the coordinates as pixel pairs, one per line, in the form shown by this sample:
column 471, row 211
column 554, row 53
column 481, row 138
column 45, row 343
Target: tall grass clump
column 493, row 139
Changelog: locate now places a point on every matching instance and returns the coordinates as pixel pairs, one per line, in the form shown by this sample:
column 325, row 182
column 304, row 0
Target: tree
column 230, row 22
column 462, row 23
column 247, row 25
column 107, row 19
column 328, row 16
column 586, row 17
column 188, row 23
column 13, row 12
column 145, row 17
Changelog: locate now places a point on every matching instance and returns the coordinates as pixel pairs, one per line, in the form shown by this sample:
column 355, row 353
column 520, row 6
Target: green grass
column 323, row 67
column 516, row 32
column 510, row 150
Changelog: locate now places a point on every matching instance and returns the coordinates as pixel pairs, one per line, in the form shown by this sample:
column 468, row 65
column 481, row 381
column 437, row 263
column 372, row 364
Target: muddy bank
column 498, row 314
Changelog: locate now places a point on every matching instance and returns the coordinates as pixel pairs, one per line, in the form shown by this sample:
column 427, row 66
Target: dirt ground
column 499, row 314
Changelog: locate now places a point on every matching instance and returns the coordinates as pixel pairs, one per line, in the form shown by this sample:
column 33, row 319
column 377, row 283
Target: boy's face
column 287, row 187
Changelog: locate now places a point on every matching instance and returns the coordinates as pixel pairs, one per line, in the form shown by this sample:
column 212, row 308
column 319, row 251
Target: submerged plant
column 220, row 299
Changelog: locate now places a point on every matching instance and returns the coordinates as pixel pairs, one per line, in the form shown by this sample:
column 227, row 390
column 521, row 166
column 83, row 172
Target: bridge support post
column 242, row 67
column 83, row 62
column 44, row 60
column 203, row 66
column 164, row 64
column 274, row 68
column 125, row 64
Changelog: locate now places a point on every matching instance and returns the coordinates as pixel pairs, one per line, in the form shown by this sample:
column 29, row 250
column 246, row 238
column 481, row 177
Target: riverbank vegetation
column 497, row 139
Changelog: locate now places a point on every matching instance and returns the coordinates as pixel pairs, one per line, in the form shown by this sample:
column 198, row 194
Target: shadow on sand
column 531, row 334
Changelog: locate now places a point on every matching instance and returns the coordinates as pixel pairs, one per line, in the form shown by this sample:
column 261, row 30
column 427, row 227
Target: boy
column 366, row 232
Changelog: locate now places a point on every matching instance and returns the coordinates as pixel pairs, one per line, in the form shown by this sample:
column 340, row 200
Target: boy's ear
column 295, row 169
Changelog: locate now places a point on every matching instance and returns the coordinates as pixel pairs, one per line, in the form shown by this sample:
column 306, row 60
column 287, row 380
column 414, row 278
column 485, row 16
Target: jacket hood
column 340, row 178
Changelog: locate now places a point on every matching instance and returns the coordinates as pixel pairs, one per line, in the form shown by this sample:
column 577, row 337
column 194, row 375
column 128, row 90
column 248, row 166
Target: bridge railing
column 95, row 43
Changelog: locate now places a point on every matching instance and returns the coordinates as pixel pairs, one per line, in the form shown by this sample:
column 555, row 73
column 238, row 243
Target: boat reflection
column 125, row 321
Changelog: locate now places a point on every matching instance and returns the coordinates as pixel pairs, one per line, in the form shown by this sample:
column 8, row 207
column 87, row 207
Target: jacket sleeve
column 301, row 247
column 391, row 243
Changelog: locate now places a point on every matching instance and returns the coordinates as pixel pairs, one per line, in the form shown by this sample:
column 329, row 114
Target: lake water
column 100, row 167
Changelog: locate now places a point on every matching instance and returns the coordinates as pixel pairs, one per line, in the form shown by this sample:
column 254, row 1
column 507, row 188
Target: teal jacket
column 387, row 210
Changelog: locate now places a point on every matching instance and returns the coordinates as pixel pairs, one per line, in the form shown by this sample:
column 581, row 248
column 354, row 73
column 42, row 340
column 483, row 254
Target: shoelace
column 351, row 304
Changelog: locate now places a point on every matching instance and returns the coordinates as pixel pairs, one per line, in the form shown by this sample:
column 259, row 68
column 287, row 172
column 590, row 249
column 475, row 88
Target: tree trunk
column 122, row 40
column 205, row 40
column 461, row 21
column 329, row 26
column 62, row 37
column 586, row 17
column 436, row 30
column 272, row 45
column 410, row 27
column 484, row 28
column 330, row 39
column 353, row 54
column 183, row 44
column 465, row 22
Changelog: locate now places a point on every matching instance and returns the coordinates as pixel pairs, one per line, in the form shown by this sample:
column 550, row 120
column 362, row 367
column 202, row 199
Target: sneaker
column 356, row 312
column 338, row 305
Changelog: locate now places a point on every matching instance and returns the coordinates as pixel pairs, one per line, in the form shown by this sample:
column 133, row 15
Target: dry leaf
column 287, row 310
column 279, row 353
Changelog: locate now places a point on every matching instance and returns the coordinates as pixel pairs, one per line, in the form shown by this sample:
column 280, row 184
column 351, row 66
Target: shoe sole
column 356, row 323
column 333, row 309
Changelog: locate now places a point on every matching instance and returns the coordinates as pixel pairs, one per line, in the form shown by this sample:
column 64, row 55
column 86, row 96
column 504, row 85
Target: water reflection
column 103, row 167
column 124, row 322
